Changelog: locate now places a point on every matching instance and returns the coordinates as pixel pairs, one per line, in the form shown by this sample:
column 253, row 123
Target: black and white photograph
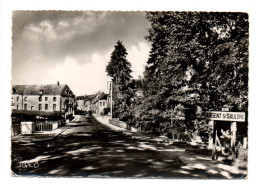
column 129, row 94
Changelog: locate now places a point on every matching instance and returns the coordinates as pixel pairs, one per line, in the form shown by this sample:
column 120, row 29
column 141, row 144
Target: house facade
column 42, row 99
column 88, row 105
column 81, row 105
column 99, row 104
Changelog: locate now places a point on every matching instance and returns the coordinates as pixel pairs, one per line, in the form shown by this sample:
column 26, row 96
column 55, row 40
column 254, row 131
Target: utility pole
column 171, row 117
column 111, row 91
column 111, row 99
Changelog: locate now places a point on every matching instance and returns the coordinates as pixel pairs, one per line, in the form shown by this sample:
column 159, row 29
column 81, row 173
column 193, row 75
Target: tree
column 198, row 59
column 120, row 70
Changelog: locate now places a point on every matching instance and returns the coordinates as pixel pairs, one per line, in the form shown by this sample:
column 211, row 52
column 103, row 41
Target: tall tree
column 197, row 59
column 120, row 70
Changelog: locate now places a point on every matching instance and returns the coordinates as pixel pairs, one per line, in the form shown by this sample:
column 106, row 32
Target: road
column 90, row 149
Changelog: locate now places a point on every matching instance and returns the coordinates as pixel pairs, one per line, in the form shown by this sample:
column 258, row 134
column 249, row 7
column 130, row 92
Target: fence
column 43, row 126
column 48, row 126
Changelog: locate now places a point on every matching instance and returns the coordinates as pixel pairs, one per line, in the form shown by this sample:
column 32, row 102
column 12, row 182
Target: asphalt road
column 90, row 149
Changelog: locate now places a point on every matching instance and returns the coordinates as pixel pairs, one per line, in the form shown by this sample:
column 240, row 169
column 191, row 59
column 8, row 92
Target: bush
column 242, row 158
column 105, row 111
column 69, row 116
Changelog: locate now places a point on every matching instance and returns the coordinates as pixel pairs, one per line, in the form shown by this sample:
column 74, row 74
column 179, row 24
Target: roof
column 103, row 97
column 52, row 89
column 85, row 97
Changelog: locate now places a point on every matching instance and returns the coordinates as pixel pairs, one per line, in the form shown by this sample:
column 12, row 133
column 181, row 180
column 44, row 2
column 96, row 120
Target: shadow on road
column 89, row 149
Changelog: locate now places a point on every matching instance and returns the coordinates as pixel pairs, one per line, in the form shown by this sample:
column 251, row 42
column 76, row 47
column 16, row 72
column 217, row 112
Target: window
column 25, row 106
column 101, row 103
column 104, row 103
column 25, row 98
column 40, row 98
column 46, row 106
column 54, row 99
column 17, row 107
column 40, row 107
column 46, row 98
column 17, row 99
column 54, row 107
column 32, row 107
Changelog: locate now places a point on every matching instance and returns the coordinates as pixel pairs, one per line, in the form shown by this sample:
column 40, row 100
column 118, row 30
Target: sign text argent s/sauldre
column 225, row 116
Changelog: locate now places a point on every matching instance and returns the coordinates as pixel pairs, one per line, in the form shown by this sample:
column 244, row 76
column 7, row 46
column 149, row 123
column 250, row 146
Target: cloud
column 85, row 32
column 138, row 56
column 84, row 79
column 59, row 30
column 74, row 47
column 91, row 77
column 44, row 31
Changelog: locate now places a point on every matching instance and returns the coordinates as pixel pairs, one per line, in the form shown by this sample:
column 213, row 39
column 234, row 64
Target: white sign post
column 225, row 116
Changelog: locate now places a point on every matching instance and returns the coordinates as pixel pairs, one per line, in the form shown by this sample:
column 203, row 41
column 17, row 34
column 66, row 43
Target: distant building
column 88, row 105
column 100, row 104
column 80, row 103
column 42, row 99
column 84, row 102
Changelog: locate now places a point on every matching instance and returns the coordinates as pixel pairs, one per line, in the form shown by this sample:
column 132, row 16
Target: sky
column 74, row 47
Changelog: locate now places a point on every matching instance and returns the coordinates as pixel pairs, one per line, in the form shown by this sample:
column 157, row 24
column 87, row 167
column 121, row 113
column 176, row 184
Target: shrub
column 242, row 158
column 106, row 111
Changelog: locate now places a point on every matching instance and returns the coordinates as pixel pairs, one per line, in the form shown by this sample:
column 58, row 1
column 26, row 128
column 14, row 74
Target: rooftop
column 51, row 89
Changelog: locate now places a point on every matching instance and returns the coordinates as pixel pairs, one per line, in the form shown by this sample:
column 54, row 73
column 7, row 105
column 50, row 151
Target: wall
column 101, row 105
column 15, row 102
column 80, row 105
column 123, row 125
column 33, row 100
column 118, row 123
column 63, row 103
column 88, row 106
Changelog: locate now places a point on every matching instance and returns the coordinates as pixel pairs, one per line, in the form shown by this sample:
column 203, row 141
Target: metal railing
column 43, row 126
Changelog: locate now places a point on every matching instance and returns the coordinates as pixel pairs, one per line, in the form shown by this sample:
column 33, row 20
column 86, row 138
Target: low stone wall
column 118, row 123
column 30, row 127
column 123, row 125
column 27, row 127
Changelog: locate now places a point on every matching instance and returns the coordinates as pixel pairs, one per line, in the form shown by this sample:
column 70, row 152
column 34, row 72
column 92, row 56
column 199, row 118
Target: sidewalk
column 45, row 135
column 135, row 135
column 39, row 136
column 105, row 121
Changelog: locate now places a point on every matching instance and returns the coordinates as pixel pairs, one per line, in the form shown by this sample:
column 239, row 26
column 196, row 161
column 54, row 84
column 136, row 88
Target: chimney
column 58, row 83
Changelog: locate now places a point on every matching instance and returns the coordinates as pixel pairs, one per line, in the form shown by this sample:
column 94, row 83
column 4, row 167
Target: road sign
column 225, row 116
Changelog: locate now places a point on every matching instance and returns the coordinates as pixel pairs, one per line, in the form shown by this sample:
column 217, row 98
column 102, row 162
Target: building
column 88, row 105
column 84, row 102
column 42, row 99
column 100, row 104
column 80, row 103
